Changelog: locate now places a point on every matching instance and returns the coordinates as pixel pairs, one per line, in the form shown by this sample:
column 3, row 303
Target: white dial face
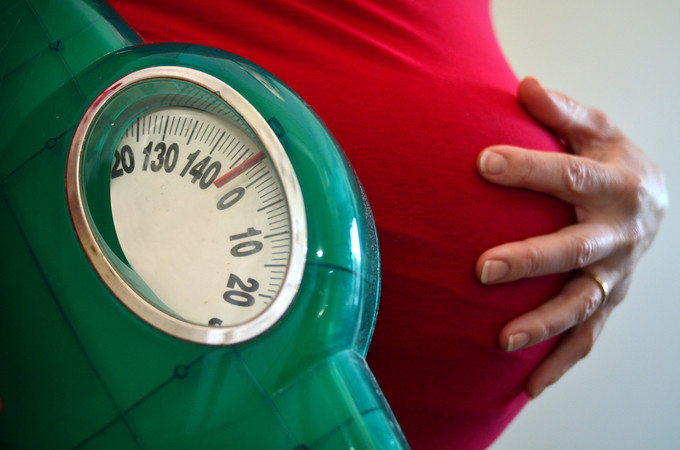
column 200, row 215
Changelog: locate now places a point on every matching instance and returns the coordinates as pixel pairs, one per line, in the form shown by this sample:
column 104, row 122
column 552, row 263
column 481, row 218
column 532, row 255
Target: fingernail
column 517, row 341
column 492, row 163
column 493, row 271
column 537, row 393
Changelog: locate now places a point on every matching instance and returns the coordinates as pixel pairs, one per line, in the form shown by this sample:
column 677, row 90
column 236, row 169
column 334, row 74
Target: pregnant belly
column 435, row 351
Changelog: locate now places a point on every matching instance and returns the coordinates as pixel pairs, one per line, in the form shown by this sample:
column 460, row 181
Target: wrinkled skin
column 620, row 198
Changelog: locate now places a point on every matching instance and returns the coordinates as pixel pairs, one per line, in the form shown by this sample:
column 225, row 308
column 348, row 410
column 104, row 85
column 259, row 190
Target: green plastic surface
column 78, row 369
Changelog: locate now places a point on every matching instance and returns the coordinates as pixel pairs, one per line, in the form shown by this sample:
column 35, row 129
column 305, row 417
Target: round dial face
column 187, row 206
column 200, row 215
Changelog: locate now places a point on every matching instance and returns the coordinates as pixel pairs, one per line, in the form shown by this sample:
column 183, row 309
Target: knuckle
column 633, row 195
column 575, row 177
column 587, row 305
column 602, row 126
column 529, row 167
column 632, row 190
column 576, row 112
column 633, row 237
column 547, row 330
column 582, row 251
column 636, row 235
column 532, row 261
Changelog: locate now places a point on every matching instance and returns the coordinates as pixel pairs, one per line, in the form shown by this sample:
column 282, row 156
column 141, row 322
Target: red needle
column 238, row 170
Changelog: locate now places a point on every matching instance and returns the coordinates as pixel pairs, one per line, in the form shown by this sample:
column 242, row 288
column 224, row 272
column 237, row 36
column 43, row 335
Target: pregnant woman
column 414, row 91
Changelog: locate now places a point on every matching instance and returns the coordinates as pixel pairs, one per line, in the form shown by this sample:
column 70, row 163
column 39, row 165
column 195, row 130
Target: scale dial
column 200, row 215
column 206, row 227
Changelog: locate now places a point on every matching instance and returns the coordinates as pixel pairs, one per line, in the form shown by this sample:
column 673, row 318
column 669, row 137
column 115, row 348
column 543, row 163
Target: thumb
column 576, row 123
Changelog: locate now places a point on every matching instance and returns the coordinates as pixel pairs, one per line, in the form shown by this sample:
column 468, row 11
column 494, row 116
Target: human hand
column 619, row 197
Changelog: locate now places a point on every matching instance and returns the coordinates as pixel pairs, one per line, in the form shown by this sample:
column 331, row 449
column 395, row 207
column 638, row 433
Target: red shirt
column 413, row 91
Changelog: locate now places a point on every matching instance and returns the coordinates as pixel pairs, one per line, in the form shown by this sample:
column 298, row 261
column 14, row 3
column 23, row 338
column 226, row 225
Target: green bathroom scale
column 188, row 259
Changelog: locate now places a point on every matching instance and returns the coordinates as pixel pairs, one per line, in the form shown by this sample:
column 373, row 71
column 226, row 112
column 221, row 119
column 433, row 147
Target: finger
column 578, row 301
column 573, row 179
column 572, row 247
column 576, row 123
column 575, row 345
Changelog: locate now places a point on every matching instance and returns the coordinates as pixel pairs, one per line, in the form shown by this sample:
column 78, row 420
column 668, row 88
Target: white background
column 623, row 57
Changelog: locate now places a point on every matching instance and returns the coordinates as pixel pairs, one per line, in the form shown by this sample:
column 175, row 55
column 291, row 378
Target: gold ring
column 604, row 286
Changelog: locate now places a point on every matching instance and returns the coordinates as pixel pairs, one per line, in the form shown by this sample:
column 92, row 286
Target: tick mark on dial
column 238, row 170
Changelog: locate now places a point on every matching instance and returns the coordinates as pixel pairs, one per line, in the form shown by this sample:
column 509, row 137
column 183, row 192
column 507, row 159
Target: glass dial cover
column 203, row 233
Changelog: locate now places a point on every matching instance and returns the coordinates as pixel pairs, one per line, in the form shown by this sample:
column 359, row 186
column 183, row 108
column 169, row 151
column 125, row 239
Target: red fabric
column 413, row 91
